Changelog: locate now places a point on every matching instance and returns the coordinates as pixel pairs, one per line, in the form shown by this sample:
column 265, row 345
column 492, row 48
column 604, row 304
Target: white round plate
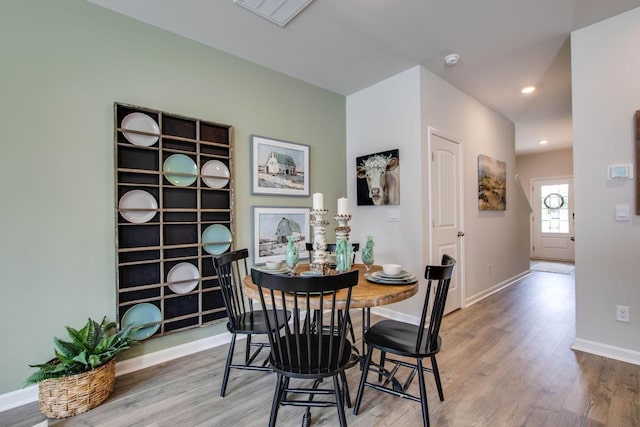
column 143, row 123
column 215, row 168
column 137, row 199
column 183, row 278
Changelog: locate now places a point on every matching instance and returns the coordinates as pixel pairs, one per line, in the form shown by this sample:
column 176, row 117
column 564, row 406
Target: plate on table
column 281, row 270
column 180, row 170
column 186, row 275
column 382, row 275
column 215, row 168
column 376, row 279
column 143, row 314
column 143, row 123
column 216, row 239
column 137, row 206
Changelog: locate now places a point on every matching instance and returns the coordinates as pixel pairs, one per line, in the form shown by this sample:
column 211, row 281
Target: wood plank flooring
column 506, row 361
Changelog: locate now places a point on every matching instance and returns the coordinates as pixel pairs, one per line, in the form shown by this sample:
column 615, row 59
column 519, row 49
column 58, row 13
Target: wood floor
column 506, row 361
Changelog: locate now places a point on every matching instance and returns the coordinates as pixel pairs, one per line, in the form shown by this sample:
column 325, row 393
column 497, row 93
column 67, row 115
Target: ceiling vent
column 277, row 11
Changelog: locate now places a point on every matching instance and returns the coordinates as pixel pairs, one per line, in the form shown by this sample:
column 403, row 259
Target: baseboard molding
column 394, row 315
column 29, row 394
column 496, row 288
column 605, row 350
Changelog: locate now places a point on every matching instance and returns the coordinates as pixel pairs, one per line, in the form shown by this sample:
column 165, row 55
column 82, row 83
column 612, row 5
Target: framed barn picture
column 279, row 167
column 271, row 228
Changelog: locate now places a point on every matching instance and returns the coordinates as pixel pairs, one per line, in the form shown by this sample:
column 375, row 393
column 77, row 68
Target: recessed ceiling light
column 528, row 89
column 544, row 141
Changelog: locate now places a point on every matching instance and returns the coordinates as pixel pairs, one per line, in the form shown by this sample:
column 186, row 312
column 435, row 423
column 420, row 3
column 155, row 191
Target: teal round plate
column 216, row 239
column 143, row 314
column 180, row 170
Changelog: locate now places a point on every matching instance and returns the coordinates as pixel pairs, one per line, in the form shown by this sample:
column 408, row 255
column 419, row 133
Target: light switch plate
column 622, row 212
column 393, row 216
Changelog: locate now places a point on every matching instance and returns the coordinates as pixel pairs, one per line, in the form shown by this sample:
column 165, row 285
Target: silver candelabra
column 319, row 262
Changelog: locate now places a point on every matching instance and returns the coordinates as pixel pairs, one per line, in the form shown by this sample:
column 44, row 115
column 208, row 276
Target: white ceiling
column 347, row 45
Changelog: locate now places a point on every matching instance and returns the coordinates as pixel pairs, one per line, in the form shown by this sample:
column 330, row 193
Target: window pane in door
column 554, row 204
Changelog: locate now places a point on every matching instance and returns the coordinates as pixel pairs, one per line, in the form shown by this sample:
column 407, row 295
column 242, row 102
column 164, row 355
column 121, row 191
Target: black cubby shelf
column 173, row 180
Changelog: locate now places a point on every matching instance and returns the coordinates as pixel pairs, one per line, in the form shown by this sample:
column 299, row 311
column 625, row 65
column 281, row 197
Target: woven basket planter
column 68, row 396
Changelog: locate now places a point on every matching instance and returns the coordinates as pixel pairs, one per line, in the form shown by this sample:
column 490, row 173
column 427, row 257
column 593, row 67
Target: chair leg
column 345, row 389
column 436, row 374
column 423, row 394
column 339, row 401
column 363, row 379
column 247, row 350
column 276, row 400
column 227, row 367
column 382, row 359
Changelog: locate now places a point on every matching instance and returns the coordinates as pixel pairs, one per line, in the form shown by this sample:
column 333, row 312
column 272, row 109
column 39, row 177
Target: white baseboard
column 605, row 350
column 29, row 394
column 394, row 315
column 492, row 290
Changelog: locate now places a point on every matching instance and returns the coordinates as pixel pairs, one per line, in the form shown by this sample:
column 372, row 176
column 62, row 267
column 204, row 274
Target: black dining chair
column 301, row 350
column 410, row 341
column 231, row 268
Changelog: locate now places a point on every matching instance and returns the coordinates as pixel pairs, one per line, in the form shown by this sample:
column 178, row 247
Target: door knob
column 460, row 233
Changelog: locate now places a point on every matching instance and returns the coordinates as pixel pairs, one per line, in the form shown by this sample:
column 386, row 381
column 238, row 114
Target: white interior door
column 446, row 210
column 552, row 233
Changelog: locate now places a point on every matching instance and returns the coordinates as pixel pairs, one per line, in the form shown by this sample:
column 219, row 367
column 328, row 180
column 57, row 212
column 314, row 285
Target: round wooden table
column 365, row 295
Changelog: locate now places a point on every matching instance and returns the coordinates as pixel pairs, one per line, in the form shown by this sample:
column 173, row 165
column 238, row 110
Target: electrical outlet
column 622, row 313
column 488, row 269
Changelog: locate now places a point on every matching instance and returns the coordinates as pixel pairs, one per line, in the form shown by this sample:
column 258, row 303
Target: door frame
column 533, row 205
column 460, row 262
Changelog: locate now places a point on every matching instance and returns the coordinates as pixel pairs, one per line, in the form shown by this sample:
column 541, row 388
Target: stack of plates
column 282, row 270
column 404, row 278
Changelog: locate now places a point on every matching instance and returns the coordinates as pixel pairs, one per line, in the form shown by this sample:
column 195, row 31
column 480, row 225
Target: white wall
column 499, row 238
column 397, row 113
column 606, row 93
column 549, row 164
column 383, row 117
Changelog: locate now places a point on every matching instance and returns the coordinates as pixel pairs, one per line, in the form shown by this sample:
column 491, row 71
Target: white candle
column 318, row 201
column 343, row 206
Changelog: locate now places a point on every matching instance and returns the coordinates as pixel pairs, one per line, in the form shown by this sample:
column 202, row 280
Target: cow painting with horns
column 381, row 174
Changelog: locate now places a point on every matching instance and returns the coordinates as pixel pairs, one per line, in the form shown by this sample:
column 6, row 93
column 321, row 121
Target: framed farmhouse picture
column 271, row 228
column 279, row 167
column 378, row 181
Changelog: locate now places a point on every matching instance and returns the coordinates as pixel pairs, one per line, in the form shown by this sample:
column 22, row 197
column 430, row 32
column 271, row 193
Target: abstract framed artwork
column 271, row 228
column 378, row 178
column 279, row 167
column 492, row 184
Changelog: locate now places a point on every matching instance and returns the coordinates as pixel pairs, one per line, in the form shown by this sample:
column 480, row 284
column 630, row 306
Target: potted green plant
column 82, row 374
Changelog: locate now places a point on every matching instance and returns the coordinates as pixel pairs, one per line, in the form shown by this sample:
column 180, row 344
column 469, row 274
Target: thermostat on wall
column 620, row 172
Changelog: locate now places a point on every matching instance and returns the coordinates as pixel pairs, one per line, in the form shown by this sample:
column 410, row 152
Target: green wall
column 64, row 64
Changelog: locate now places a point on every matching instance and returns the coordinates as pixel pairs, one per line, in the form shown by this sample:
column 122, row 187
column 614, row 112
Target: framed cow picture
column 378, row 181
column 272, row 227
column 278, row 167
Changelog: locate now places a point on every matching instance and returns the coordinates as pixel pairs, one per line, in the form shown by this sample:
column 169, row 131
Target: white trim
column 492, row 290
column 395, row 315
column 605, row 350
column 14, row 399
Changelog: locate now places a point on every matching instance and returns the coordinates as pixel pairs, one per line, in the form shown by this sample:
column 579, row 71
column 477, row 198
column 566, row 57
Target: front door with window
column 552, row 234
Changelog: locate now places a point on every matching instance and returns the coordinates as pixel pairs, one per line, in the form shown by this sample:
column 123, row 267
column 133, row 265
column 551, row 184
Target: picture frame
column 492, row 184
column 378, row 178
column 278, row 167
column 271, row 228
